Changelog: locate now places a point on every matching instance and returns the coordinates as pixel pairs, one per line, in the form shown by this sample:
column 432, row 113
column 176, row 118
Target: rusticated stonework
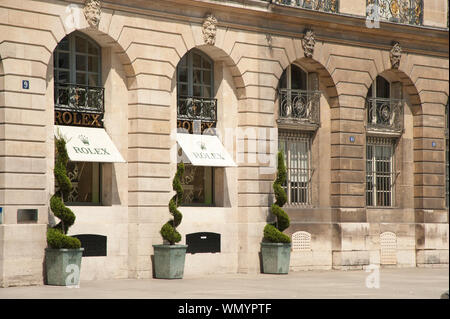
column 209, row 29
column 92, row 11
column 308, row 43
column 395, row 55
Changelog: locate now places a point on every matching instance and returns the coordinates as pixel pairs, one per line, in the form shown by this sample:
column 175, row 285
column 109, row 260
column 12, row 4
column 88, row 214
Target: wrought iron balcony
column 299, row 106
column 79, row 98
column 196, row 109
column 400, row 11
column 384, row 115
column 318, row 5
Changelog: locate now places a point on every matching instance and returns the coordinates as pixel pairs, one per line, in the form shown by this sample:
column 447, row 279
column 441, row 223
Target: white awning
column 88, row 144
column 204, row 150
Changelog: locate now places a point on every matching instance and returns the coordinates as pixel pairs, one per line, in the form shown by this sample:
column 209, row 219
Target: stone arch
column 325, row 79
column 219, row 55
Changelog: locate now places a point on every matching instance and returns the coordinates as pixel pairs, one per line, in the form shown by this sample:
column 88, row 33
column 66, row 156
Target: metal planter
column 169, row 261
column 275, row 257
column 63, row 266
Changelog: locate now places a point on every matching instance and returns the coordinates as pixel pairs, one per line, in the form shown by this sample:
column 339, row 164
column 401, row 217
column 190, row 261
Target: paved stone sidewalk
column 406, row 283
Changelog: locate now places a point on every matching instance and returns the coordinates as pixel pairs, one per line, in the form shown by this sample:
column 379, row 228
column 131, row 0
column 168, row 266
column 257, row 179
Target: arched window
column 77, row 74
column 298, row 96
column 196, row 107
column 78, row 98
column 384, row 108
column 298, row 118
column 196, row 114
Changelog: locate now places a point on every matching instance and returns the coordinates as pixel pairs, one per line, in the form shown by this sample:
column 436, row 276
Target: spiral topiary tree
column 273, row 231
column 168, row 230
column 57, row 236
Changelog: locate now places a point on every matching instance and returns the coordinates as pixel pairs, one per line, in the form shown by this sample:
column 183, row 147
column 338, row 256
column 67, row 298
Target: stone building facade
column 356, row 98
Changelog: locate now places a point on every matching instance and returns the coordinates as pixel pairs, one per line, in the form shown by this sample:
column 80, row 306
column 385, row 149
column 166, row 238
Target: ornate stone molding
column 209, row 29
column 395, row 55
column 92, row 11
column 308, row 43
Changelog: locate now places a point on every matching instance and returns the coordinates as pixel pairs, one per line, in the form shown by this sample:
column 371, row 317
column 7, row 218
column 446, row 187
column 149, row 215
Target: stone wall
column 141, row 47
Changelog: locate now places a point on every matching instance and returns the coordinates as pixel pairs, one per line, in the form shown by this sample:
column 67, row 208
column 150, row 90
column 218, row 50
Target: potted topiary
column 63, row 256
column 169, row 257
column 276, row 246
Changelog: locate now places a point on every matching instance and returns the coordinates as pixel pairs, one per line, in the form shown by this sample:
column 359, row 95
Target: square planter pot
column 63, row 266
column 275, row 257
column 169, row 261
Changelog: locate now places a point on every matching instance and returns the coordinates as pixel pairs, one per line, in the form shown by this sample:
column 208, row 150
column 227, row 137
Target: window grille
column 296, row 147
column 380, row 176
column 301, row 241
column 388, row 248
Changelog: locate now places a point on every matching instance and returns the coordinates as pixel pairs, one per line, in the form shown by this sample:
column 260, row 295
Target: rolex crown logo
column 84, row 139
column 202, row 146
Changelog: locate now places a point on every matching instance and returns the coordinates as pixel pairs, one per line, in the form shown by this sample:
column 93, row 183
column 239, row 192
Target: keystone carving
column 209, row 29
column 92, row 11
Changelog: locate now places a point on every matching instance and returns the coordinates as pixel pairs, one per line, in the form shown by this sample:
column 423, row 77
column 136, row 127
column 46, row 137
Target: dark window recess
column 94, row 245
column 27, row 216
column 203, row 243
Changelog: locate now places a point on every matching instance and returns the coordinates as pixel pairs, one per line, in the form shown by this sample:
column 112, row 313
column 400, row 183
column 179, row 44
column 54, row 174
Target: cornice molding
column 263, row 17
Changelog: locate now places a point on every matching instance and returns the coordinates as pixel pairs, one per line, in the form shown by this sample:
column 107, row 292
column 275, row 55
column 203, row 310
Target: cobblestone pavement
column 404, row 283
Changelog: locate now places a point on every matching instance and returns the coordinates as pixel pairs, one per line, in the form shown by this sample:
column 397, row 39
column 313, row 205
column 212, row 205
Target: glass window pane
column 183, row 89
column 85, row 178
column 182, row 74
column 81, row 62
column 196, row 60
column 283, row 80
column 197, row 77
column 383, row 87
column 183, row 61
column 207, row 77
column 64, row 44
column 93, row 79
column 207, row 91
column 93, row 64
column 63, row 60
column 63, row 77
column 206, row 64
column 81, row 78
column 81, row 45
column 197, row 182
column 92, row 48
column 298, row 78
column 197, row 91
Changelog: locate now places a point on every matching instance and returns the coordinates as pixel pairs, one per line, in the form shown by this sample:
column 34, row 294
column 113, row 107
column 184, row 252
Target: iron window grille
column 399, row 11
column 297, row 149
column 380, row 172
column 298, row 97
column 384, row 107
column 331, row 6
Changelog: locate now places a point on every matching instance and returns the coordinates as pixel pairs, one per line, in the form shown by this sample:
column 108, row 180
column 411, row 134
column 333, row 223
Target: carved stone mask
column 92, row 11
column 395, row 55
column 209, row 29
column 308, row 43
